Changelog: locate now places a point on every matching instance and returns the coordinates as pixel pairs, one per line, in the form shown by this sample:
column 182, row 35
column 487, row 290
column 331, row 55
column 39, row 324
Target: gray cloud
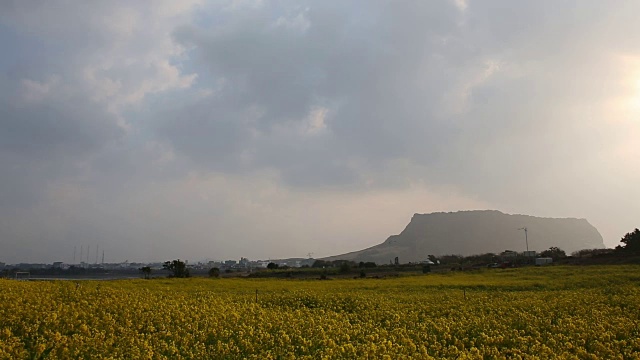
column 135, row 128
column 381, row 93
column 485, row 98
column 45, row 136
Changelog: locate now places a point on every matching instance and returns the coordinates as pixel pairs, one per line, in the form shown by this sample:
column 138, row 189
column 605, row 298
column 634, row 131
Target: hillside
column 476, row 232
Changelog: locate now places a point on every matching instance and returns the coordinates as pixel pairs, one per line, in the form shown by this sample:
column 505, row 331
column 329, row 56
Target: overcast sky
column 270, row 129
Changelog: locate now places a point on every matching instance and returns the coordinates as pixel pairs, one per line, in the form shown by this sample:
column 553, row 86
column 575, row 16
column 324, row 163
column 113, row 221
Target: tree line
column 629, row 246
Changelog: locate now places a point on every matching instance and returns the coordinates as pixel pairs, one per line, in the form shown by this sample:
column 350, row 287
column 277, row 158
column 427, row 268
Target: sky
column 156, row 130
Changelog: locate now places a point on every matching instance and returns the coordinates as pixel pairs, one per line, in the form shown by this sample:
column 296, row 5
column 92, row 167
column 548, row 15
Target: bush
column 146, row 270
column 321, row 264
column 368, row 264
column 177, row 268
column 585, row 253
column 451, row 259
column 345, row 267
column 554, row 252
column 631, row 243
column 214, row 272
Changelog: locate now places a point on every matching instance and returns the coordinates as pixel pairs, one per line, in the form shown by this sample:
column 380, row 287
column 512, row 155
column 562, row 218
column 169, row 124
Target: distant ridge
column 477, row 232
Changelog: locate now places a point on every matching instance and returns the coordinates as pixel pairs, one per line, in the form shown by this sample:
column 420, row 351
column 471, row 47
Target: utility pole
column 526, row 239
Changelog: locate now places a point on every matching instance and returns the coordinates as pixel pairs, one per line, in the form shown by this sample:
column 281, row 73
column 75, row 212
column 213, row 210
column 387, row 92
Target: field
column 549, row 312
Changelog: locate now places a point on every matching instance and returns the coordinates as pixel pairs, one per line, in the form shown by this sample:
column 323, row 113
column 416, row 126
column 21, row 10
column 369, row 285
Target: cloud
column 135, row 126
column 497, row 99
column 282, row 74
column 68, row 77
column 118, row 52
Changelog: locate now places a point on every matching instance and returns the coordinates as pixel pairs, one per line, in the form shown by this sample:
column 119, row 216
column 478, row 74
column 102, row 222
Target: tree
column 321, row 264
column 585, row 253
column 631, row 242
column 272, row 266
column 554, row 253
column 486, row 258
column 177, row 268
column 451, row 259
column 368, row 264
column 345, row 267
column 146, row 270
column 214, row 272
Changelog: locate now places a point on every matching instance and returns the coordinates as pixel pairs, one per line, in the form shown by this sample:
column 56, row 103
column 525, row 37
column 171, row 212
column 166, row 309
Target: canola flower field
column 575, row 312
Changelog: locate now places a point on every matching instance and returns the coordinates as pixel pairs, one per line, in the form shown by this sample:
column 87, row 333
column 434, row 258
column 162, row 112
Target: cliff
column 478, row 232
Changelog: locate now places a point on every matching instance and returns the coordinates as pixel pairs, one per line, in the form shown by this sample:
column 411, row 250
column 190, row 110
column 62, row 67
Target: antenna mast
column 526, row 239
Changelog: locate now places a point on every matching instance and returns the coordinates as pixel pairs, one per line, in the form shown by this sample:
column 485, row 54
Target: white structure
column 543, row 261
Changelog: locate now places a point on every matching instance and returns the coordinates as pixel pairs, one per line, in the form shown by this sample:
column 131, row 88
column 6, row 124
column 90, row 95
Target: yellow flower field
column 549, row 312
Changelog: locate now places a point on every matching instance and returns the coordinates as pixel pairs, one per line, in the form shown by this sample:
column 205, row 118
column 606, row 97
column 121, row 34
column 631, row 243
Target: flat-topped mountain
column 478, row 232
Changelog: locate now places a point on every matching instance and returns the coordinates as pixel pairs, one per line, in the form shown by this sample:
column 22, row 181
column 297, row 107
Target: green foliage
column 451, row 259
column 214, row 272
column 554, row 253
column 272, row 266
column 587, row 253
column 321, row 264
column 631, row 243
column 341, row 264
column 177, row 268
column 486, row 258
column 345, row 267
column 146, row 270
column 368, row 264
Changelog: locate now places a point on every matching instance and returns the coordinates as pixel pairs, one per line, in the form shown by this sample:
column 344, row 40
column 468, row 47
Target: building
column 543, row 261
column 509, row 254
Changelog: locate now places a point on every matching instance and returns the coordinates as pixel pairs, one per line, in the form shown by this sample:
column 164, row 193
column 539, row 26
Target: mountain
column 478, row 232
